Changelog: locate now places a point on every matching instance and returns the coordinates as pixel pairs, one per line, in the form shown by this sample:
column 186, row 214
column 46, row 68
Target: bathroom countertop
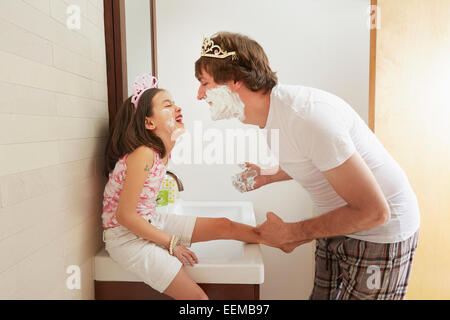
column 220, row 261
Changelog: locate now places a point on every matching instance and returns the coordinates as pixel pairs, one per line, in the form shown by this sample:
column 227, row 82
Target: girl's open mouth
column 179, row 118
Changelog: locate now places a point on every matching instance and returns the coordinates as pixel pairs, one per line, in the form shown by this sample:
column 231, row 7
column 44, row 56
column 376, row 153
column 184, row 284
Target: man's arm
column 280, row 175
column 266, row 176
column 366, row 208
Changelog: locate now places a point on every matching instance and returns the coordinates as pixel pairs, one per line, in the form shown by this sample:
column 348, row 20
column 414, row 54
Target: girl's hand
column 182, row 253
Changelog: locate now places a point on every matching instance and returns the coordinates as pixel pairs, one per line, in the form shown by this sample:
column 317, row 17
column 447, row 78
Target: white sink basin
column 220, row 261
column 240, row 211
column 223, row 261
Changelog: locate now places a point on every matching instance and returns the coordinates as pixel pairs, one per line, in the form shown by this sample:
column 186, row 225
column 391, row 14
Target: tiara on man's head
column 209, row 49
column 141, row 84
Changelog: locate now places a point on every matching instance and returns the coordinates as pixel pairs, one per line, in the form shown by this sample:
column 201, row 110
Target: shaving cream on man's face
column 225, row 104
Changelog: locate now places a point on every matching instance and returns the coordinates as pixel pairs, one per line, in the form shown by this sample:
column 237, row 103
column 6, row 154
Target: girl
column 152, row 245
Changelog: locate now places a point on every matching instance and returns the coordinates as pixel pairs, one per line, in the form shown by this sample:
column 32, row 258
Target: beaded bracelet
column 173, row 243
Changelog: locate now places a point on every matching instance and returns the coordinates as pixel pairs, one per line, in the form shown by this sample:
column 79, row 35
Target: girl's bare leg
column 206, row 229
column 183, row 287
column 289, row 247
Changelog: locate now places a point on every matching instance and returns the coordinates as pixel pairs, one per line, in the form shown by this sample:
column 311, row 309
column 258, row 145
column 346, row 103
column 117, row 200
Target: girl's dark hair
column 129, row 133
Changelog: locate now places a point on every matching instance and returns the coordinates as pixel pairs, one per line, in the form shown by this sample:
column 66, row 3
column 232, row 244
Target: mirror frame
column 116, row 56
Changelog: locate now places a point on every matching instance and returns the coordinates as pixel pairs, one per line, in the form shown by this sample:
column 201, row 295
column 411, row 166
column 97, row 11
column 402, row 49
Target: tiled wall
column 53, row 128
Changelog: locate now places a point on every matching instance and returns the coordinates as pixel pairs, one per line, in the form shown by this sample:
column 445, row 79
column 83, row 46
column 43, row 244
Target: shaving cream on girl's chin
column 225, row 104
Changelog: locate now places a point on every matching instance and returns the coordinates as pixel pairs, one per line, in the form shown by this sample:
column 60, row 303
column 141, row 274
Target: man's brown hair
column 251, row 65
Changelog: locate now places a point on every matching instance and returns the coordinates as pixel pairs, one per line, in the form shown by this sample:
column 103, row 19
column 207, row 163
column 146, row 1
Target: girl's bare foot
column 286, row 247
column 289, row 247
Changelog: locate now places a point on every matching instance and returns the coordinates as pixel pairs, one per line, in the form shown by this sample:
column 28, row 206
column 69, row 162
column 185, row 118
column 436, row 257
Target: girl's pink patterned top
column 147, row 203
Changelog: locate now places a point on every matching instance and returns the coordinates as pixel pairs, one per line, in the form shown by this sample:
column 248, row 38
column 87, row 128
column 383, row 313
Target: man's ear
column 235, row 85
column 149, row 123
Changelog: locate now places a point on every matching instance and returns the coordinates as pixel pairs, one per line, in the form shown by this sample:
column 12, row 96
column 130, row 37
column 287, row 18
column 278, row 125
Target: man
column 367, row 229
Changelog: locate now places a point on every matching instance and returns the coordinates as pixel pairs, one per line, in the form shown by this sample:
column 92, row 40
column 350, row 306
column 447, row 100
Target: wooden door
column 411, row 113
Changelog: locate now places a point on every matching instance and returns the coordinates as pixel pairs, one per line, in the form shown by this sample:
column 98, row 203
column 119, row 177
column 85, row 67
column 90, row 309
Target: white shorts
column 150, row 262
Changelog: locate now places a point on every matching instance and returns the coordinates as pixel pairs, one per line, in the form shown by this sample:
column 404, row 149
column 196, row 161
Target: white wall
column 320, row 43
column 53, row 127
column 137, row 24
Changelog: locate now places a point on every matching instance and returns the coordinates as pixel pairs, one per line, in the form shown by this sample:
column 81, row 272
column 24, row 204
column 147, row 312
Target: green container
column 163, row 198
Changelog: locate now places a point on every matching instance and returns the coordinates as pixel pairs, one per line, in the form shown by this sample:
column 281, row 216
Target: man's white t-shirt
column 319, row 131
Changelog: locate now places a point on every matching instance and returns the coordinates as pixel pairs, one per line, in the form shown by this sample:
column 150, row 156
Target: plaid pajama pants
column 348, row 269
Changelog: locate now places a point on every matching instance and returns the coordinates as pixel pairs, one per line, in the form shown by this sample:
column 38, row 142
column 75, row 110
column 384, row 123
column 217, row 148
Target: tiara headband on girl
column 209, row 49
column 141, row 84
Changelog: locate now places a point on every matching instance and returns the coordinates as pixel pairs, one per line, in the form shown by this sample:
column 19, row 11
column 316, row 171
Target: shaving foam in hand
column 245, row 180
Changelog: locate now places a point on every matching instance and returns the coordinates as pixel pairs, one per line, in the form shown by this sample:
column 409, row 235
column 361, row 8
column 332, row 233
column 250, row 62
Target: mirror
column 140, row 43
column 323, row 44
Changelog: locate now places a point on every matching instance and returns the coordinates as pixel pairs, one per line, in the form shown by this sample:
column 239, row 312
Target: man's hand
column 260, row 180
column 273, row 230
column 250, row 179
